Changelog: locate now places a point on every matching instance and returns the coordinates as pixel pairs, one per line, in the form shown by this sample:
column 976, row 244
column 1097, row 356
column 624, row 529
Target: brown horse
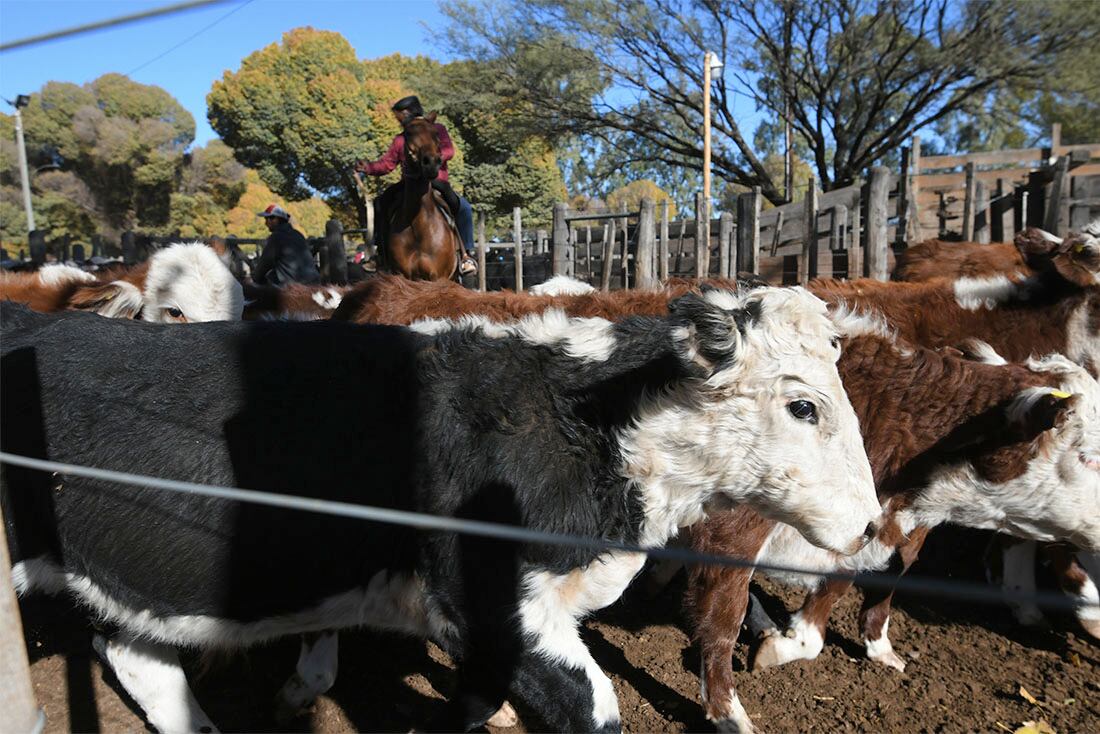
column 422, row 243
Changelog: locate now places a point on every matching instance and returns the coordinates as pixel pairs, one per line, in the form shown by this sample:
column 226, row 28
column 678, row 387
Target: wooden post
column 517, row 237
column 608, row 255
column 727, row 258
column 563, row 252
column 78, row 253
column 968, row 204
column 700, row 238
column 855, row 251
column 1036, row 198
column 748, row 232
column 1019, row 208
column 877, row 244
column 680, row 247
column 588, row 250
column 541, row 240
column 129, row 248
column 941, row 214
column 481, row 247
column 37, row 242
column 996, row 213
column 981, row 213
column 914, row 186
column 97, row 245
column 807, row 265
column 20, row 712
column 1055, row 138
column 838, row 223
column 624, row 264
column 1056, row 220
column 902, row 230
column 336, row 260
column 662, row 261
column 647, row 244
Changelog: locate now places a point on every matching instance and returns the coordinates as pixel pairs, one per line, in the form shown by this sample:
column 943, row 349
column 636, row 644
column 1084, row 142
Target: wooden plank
column 700, row 237
column 662, row 263
column 855, row 251
column 1056, row 219
column 807, row 265
column 1021, row 156
column 968, row 204
column 747, row 259
column 562, row 251
column 608, row 254
column 904, row 196
column 517, row 240
column 20, row 712
column 725, row 244
column 481, row 251
column 877, row 242
column 647, row 245
column 625, row 257
column 981, row 213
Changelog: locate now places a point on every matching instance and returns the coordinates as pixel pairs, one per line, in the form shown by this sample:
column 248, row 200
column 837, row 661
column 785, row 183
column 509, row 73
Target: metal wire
column 109, row 23
column 958, row 590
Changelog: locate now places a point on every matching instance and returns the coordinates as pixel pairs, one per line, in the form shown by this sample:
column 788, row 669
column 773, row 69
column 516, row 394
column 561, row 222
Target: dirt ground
column 966, row 665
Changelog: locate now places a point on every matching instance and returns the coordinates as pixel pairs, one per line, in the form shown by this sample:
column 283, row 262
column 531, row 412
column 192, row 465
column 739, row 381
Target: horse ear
column 430, row 117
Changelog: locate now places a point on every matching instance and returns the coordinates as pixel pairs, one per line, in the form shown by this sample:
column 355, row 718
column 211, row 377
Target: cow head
column 189, row 282
column 1075, row 258
column 1036, row 472
column 766, row 421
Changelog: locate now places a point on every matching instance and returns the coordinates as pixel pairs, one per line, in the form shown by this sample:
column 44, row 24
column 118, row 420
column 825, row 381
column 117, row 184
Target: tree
column 631, row 195
column 309, row 216
column 856, row 78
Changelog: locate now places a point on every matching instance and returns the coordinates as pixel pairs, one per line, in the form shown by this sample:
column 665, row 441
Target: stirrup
column 468, row 266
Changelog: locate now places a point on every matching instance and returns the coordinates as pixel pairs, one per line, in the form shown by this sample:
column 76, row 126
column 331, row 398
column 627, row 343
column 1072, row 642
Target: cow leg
column 1019, row 575
column 315, row 674
column 717, row 600
column 152, row 675
column 1077, row 576
column 875, row 616
column 804, row 638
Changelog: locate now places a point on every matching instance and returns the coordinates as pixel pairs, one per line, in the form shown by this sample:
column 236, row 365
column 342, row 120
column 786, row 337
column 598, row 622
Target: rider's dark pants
column 460, row 210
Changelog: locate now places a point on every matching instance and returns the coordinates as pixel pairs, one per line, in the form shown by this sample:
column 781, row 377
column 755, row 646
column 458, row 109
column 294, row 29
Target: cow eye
column 174, row 312
column 803, row 410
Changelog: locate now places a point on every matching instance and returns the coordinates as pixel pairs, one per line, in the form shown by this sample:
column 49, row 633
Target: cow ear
column 709, row 327
column 1078, row 259
column 1035, row 413
column 117, row 300
column 430, row 117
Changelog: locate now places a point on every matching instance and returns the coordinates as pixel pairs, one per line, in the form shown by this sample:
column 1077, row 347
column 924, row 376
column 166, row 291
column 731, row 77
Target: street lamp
column 710, row 63
column 20, row 102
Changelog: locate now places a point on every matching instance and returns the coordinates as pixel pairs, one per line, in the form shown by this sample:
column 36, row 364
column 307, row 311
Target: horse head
column 422, row 154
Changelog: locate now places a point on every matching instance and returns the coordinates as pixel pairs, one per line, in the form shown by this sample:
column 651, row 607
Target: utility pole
column 710, row 62
column 20, row 102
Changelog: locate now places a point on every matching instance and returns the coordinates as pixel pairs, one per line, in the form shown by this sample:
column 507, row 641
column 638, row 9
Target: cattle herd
column 827, row 428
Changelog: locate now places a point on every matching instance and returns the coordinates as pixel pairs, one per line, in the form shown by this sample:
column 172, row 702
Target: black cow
column 618, row 431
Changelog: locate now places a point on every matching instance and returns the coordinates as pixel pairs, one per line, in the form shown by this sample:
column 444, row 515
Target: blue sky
column 373, row 27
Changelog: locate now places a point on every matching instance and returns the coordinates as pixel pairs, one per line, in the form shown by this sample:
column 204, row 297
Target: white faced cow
column 623, row 431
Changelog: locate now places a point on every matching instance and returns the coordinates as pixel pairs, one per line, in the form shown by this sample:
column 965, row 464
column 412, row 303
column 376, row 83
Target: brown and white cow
column 178, row 284
column 292, row 302
column 1034, row 255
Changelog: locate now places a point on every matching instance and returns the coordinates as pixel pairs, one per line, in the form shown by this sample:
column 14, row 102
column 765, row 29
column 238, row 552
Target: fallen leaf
column 1029, row 698
column 1075, row 659
column 1035, row 727
column 1069, row 701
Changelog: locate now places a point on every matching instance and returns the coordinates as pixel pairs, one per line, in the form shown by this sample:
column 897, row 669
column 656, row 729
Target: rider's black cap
column 411, row 102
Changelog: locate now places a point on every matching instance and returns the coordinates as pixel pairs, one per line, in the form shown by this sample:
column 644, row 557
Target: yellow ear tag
column 1060, row 395
column 1078, row 248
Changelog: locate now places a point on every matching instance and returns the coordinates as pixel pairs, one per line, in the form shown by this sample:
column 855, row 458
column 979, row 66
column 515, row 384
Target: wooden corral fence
column 986, row 197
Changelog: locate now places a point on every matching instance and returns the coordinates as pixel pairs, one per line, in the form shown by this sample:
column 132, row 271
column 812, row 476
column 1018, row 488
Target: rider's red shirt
column 396, row 155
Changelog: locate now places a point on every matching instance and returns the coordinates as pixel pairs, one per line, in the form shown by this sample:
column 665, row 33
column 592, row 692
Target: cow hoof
column 505, row 717
column 769, row 654
column 1092, row 627
column 890, row 659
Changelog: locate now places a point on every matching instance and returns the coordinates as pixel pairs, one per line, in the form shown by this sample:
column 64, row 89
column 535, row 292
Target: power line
column 188, row 39
column 109, row 23
column 958, row 590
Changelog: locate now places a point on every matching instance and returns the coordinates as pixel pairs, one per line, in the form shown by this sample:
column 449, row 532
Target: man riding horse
column 406, row 111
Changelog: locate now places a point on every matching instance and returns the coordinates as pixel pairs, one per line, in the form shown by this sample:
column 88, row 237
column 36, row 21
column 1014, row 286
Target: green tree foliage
column 856, row 78
column 632, row 194
column 300, row 113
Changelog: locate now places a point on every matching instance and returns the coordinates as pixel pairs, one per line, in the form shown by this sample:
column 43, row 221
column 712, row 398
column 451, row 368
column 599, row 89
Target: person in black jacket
column 286, row 257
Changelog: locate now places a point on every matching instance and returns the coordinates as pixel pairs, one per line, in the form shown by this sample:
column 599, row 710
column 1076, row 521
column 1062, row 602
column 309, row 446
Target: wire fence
column 944, row 588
